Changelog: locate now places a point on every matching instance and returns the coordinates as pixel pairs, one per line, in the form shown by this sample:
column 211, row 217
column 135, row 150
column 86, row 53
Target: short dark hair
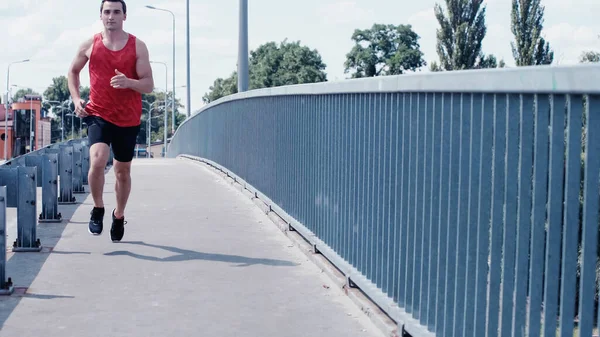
column 121, row 1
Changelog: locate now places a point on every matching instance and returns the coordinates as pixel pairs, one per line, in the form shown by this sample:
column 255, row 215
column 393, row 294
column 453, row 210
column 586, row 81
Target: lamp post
column 6, row 104
column 173, row 103
column 166, row 112
column 188, row 98
column 243, row 48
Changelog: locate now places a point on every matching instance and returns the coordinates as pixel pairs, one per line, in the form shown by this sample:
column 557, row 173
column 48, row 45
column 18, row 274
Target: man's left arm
column 145, row 83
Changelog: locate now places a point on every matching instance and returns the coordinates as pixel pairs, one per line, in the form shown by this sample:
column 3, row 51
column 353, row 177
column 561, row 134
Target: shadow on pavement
column 24, row 267
column 189, row 255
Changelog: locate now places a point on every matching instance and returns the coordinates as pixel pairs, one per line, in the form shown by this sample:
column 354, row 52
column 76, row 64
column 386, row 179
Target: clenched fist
column 120, row 81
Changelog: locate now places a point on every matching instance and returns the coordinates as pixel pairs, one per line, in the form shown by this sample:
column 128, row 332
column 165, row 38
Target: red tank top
column 122, row 107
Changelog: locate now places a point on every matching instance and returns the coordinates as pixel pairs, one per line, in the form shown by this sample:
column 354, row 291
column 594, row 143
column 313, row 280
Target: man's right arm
column 77, row 65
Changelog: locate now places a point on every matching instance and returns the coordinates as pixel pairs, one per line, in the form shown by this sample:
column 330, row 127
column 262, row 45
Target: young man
column 120, row 72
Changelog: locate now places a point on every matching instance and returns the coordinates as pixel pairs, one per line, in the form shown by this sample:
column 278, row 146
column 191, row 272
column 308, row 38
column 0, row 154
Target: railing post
column 6, row 287
column 66, row 175
column 27, row 240
column 85, row 163
column 77, row 168
column 50, row 189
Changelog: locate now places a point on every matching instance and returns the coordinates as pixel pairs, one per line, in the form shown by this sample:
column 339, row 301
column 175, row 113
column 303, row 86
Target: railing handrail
column 575, row 79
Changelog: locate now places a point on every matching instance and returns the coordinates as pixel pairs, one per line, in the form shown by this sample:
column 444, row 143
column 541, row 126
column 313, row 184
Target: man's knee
column 122, row 171
column 99, row 156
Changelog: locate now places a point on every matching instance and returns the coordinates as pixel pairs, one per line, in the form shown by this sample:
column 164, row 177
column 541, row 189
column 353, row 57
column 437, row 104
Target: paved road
column 198, row 259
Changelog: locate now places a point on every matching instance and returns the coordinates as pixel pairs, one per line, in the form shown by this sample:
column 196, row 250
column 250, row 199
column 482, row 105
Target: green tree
column 221, row 88
column 527, row 21
column 272, row 65
column 490, row 61
column 155, row 103
column 589, row 57
column 462, row 29
column 58, row 91
column 288, row 63
column 22, row 92
column 384, row 50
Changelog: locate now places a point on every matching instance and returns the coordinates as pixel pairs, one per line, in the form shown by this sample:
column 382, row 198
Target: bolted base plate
column 27, row 249
column 49, row 220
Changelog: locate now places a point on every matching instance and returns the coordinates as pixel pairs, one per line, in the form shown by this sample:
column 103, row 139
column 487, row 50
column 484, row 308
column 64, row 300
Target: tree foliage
column 461, row 32
column 59, row 95
column 384, row 50
column 589, row 57
column 272, row 65
column 527, row 22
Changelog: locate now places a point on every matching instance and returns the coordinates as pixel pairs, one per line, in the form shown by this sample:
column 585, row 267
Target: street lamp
column 166, row 112
column 243, row 47
column 6, row 103
column 173, row 103
column 188, row 98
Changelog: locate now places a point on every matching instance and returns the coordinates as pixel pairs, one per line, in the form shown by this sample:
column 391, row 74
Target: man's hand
column 80, row 108
column 120, row 81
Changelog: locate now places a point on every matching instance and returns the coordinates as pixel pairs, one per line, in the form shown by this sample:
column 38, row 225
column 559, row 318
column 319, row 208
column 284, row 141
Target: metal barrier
column 19, row 179
column 451, row 199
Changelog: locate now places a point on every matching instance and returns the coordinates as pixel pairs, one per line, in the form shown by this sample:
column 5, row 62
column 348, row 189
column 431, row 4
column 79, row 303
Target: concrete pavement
column 198, row 259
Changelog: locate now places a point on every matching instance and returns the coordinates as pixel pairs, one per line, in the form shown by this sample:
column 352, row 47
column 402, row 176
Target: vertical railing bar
column 417, row 219
column 403, row 279
column 425, row 216
column 453, row 216
column 470, row 282
column 510, row 211
column 498, row 174
column 387, row 235
column 401, row 220
column 409, row 211
column 524, row 215
column 377, row 190
column 540, row 185
column 555, row 206
column 365, row 187
column 435, row 161
column 461, row 234
column 484, row 212
column 589, row 241
column 395, row 127
column 571, row 216
column 444, row 183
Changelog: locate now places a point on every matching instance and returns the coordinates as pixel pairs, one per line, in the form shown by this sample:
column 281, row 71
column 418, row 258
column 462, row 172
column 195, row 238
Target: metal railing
column 61, row 170
column 451, row 199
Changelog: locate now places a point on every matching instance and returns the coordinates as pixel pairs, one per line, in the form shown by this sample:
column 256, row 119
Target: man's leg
column 99, row 138
column 98, row 158
column 123, row 149
column 122, row 186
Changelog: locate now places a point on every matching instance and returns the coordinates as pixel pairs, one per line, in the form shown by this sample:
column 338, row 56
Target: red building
column 18, row 126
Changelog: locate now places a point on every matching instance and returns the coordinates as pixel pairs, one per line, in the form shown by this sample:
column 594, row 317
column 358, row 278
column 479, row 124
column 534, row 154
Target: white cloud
column 49, row 32
column 344, row 12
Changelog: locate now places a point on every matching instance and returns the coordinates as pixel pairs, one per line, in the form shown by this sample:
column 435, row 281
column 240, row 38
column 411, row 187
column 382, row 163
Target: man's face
column 112, row 15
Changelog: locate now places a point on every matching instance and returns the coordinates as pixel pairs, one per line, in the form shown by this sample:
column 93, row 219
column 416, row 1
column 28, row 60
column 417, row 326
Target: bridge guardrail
column 451, row 199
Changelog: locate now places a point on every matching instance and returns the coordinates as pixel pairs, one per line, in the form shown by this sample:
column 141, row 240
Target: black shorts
column 121, row 139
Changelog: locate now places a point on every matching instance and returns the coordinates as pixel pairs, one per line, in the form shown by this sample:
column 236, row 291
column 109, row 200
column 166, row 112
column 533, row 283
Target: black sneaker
column 97, row 216
column 117, row 229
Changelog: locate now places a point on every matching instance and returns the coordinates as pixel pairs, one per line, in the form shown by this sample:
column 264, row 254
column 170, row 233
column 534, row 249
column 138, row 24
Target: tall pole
column 6, row 104
column 189, row 86
column 173, row 94
column 243, row 48
column 31, row 115
column 173, row 103
column 166, row 111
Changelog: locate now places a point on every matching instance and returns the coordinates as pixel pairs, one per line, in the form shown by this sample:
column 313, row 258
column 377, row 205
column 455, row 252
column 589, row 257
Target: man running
column 120, row 72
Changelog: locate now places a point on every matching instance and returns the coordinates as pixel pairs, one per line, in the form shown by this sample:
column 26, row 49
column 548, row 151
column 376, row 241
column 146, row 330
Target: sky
column 48, row 33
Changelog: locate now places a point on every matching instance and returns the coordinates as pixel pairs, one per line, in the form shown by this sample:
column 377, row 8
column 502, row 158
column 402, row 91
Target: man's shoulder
column 138, row 42
column 90, row 40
